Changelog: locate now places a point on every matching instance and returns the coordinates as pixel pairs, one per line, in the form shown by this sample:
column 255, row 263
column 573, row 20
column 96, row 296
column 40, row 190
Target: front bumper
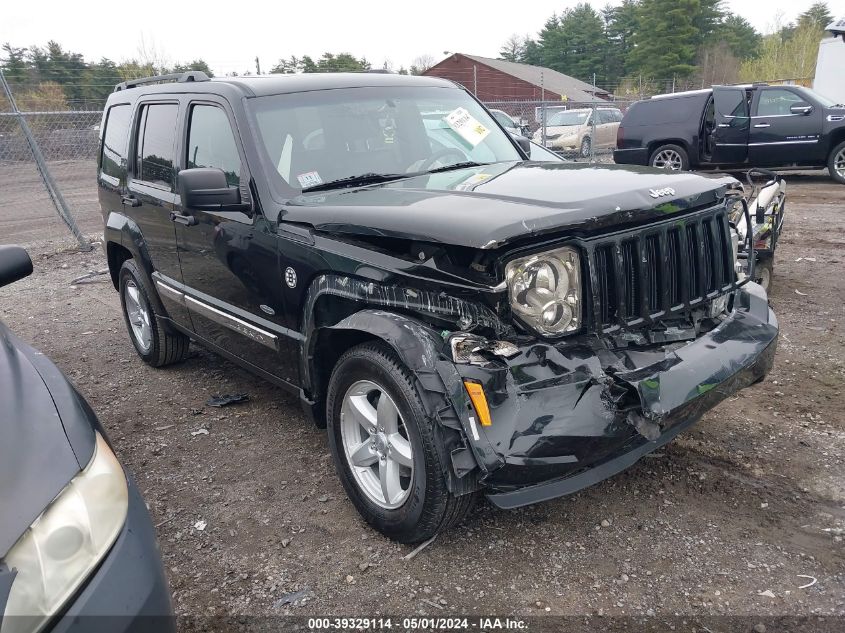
column 565, row 417
column 561, row 145
column 128, row 592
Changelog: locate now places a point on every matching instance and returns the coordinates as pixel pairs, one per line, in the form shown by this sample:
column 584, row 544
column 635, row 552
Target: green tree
column 741, row 38
column 331, row 63
column 197, row 64
column 574, row 43
column 532, row 53
column 818, row 15
column 620, row 26
column 99, row 80
column 664, row 43
column 707, row 18
column 287, row 66
column 15, row 66
column 790, row 58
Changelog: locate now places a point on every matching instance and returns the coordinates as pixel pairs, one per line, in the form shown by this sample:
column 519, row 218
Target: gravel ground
column 732, row 518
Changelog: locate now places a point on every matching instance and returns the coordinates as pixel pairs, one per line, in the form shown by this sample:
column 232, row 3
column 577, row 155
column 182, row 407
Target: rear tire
column 764, row 274
column 422, row 506
column 156, row 345
column 836, row 163
column 670, row 157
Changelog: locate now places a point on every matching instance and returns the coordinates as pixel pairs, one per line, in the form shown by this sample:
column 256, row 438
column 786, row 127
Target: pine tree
column 818, row 15
column 741, row 38
column 665, row 40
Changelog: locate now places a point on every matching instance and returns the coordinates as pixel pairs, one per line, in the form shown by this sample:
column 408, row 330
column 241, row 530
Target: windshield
column 503, row 119
column 315, row 138
column 567, row 118
column 823, row 101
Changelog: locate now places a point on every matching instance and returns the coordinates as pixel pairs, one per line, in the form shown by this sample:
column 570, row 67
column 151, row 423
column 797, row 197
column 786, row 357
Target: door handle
column 130, row 200
column 723, row 125
column 762, row 125
column 180, row 218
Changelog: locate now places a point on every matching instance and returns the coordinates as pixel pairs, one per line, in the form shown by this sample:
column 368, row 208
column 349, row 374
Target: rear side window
column 156, row 133
column 211, row 142
column 116, row 141
column 775, row 102
column 666, row 110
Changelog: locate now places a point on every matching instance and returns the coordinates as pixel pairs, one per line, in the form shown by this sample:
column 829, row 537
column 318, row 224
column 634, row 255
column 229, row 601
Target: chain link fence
column 48, row 191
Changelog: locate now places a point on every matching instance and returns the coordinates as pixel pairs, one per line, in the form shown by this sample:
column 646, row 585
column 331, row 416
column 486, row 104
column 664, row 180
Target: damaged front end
column 651, row 328
column 562, row 417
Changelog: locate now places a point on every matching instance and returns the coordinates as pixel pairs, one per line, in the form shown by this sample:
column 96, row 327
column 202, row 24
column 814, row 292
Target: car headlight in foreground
column 67, row 542
column 545, row 291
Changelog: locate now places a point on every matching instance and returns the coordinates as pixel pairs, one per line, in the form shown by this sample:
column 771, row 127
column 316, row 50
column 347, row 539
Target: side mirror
column 524, row 143
column 801, row 108
column 15, row 264
column 206, row 189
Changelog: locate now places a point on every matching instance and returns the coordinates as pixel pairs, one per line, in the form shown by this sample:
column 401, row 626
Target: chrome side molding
column 257, row 334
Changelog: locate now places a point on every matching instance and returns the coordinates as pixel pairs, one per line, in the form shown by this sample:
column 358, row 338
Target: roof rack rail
column 191, row 75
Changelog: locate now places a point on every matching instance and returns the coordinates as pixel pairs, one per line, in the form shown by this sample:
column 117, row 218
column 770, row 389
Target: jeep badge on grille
column 659, row 193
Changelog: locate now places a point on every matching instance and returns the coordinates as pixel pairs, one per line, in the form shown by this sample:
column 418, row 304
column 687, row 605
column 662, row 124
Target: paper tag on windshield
column 467, row 126
column 472, row 182
column 309, row 179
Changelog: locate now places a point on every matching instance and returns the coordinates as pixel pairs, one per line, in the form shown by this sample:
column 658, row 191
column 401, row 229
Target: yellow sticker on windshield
column 467, row 126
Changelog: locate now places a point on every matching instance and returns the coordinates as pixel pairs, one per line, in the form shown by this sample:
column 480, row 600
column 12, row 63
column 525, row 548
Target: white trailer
column 830, row 66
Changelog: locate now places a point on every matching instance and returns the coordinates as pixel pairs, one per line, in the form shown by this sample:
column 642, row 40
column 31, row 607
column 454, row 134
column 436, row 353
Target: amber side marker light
column 479, row 401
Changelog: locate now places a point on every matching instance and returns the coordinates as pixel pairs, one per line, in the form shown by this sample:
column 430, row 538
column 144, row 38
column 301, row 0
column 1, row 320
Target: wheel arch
column 653, row 145
column 419, row 348
column 414, row 343
column 837, row 136
column 123, row 241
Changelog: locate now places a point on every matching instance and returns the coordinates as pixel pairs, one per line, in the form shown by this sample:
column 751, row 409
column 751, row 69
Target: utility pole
column 257, row 66
column 543, row 108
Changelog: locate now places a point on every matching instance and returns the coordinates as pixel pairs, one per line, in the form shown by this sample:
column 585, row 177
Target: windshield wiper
column 462, row 165
column 355, row 181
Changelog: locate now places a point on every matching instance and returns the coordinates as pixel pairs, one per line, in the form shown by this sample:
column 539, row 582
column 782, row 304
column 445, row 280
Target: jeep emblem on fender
column 290, row 277
column 659, row 193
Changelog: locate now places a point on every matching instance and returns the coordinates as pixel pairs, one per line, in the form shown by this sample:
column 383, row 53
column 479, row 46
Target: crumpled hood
column 37, row 459
column 487, row 206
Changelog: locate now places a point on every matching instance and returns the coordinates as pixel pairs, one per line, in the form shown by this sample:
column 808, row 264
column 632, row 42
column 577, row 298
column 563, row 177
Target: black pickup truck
column 735, row 127
column 461, row 318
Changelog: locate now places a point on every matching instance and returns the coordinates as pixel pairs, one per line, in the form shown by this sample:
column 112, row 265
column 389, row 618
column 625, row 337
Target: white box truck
column 830, row 66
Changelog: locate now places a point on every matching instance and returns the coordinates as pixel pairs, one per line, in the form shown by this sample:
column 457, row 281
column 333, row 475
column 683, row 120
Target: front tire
column 670, row 157
column 836, row 163
column 585, row 147
column 156, row 345
column 383, row 446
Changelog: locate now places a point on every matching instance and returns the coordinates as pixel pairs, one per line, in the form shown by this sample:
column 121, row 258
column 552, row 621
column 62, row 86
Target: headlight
column 545, row 291
column 65, row 544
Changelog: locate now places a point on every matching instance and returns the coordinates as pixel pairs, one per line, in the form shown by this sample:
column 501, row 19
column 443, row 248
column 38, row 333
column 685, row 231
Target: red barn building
column 499, row 80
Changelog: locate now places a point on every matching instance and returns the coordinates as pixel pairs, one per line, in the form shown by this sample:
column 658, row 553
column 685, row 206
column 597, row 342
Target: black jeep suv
column 460, row 318
column 735, row 127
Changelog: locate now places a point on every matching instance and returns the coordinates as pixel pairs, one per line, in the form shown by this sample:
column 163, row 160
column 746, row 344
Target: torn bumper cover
column 565, row 417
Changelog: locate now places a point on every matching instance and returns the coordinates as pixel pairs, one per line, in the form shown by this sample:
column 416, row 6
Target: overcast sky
column 229, row 35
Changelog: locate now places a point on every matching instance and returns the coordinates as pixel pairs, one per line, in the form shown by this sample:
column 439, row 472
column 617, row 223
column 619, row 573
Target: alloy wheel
column 138, row 314
column 667, row 159
column 839, row 163
column 376, row 444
